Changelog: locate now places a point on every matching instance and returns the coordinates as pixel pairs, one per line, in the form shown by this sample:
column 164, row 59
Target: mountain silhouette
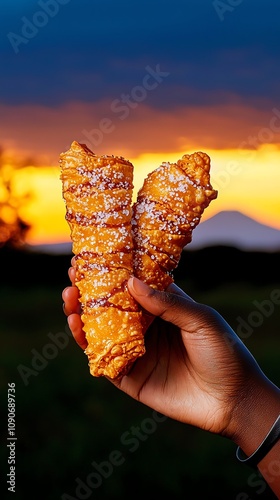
column 233, row 228
column 227, row 228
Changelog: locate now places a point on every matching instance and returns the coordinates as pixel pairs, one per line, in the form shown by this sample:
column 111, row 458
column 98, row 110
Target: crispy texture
column 97, row 191
column 112, row 240
column 168, row 208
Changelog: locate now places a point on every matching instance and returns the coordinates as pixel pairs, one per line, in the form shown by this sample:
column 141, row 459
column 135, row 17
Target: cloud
column 108, row 127
column 92, row 51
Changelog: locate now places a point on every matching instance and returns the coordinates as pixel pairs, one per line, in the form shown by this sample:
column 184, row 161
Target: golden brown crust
column 112, row 241
column 98, row 192
column 168, row 207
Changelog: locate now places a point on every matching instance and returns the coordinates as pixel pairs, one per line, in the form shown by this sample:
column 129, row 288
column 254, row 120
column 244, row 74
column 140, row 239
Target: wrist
column 260, row 454
column 255, row 415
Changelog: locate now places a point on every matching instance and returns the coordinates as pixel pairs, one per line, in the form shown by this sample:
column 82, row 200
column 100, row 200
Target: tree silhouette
column 13, row 228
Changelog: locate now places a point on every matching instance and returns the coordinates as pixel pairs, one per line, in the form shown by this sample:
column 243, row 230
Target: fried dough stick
column 168, row 208
column 97, row 191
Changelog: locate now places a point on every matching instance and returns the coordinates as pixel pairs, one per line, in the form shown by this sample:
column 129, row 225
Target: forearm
column 256, row 415
column 269, row 467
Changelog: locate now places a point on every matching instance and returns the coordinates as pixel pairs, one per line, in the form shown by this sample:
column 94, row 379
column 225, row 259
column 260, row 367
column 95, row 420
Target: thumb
column 178, row 308
column 174, row 306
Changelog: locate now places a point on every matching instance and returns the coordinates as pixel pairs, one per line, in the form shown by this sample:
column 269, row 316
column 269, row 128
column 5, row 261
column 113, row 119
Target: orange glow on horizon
column 146, row 128
column 247, row 181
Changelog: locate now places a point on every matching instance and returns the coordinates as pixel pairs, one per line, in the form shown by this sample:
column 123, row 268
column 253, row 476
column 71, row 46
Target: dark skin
column 196, row 370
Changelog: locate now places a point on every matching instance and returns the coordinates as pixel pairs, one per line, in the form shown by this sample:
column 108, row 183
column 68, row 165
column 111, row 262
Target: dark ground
column 75, row 430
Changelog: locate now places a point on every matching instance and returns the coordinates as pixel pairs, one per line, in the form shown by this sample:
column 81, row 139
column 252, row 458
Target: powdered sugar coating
column 168, row 207
column 98, row 192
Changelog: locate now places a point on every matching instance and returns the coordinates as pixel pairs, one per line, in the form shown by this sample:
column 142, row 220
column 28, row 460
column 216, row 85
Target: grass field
column 76, row 436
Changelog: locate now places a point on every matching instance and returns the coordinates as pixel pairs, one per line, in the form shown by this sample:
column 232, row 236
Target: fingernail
column 138, row 287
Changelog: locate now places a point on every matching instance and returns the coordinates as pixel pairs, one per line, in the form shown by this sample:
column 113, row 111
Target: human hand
column 195, row 368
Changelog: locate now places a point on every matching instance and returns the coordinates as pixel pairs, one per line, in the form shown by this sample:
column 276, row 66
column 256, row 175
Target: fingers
column 72, row 309
column 76, row 327
column 178, row 291
column 70, row 296
column 72, row 270
column 148, row 318
column 173, row 305
column 71, row 274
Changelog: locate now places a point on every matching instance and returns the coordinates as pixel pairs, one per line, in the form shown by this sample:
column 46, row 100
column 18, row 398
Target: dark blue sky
column 55, row 51
column 147, row 78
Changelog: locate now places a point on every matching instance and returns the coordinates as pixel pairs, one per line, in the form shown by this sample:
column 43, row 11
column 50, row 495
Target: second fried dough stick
column 98, row 191
column 168, row 208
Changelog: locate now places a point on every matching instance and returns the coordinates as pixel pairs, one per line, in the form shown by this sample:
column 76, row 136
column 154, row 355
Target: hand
column 195, row 370
column 195, row 367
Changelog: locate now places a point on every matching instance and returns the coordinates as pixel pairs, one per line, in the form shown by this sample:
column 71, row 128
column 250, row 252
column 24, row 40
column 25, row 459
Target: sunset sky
column 149, row 81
